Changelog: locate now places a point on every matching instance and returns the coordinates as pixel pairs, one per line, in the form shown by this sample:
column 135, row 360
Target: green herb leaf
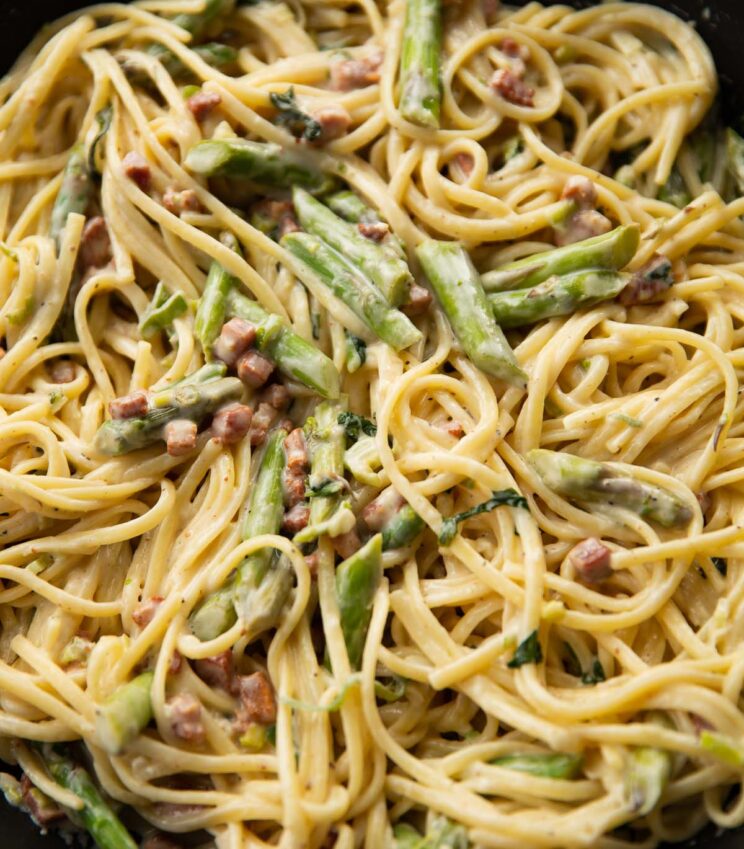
column 595, row 675
column 528, row 651
column 299, row 123
column 356, row 352
column 509, row 497
column 354, row 426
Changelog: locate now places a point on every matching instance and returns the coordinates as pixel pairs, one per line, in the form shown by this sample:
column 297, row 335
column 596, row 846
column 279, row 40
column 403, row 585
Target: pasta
column 562, row 666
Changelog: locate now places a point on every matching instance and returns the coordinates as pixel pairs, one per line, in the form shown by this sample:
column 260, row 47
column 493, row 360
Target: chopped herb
column 356, row 352
column 326, row 486
column 720, row 564
column 103, row 119
column 354, row 426
column 299, row 123
column 528, row 651
column 509, row 497
column 595, row 675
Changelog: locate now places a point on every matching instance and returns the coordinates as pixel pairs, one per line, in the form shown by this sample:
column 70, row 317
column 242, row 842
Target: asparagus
column 383, row 266
column 586, row 480
column 74, row 193
column 399, row 523
column 675, row 190
column 121, row 718
column 735, row 157
column 357, row 579
column 611, row 251
column 442, row 834
column 420, row 60
column 330, row 513
column 163, row 310
column 261, row 162
column 294, row 356
column 194, row 401
column 648, row 771
column 460, row 293
column 556, row 296
column 554, row 765
column 96, row 815
column 352, row 287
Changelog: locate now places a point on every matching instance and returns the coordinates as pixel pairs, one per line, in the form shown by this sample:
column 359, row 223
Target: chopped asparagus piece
column 647, row 774
column 585, row 480
column 74, row 193
column 357, row 579
column 442, row 834
column 460, row 293
column 121, row 718
column 420, row 61
column 321, row 262
column 163, row 310
column 723, row 748
column 402, row 529
column 675, row 190
column 554, row 765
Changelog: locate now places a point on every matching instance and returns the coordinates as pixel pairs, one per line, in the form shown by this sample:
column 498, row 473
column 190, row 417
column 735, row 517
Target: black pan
column 720, row 22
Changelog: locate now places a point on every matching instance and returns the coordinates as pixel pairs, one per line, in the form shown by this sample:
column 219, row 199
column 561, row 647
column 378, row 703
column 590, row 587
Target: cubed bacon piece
column 263, row 418
column 62, row 371
column 453, row 428
column 334, row 121
column 254, row 369
column 131, row 406
column 296, row 518
column 585, row 224
column 161, row 841
column 145, row 612
column 374, row 230
column 257, row 702
column 203, row 103
column 649, row 282
column 294, row 487
column 380, row 511
column 512, row 88
column 217, row 671
column 277, row 396
column 592, row 561
column 231, row 423
column 347, row 544
column 42, row 809
column 419, row 301
column 95, row 244
column 349, row 74
column 513, row 48
column 296, row 451
column 236, row 337
column 180, row 437
column 581, row 190
column 178, row 202
column 137, row 168
column 465, row 163
column 184, row 713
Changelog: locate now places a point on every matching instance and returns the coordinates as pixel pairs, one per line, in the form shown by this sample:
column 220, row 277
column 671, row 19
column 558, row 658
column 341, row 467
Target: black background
column 721, row 22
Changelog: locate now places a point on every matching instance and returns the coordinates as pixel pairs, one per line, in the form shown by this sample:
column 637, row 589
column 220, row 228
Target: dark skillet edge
column 716, row 20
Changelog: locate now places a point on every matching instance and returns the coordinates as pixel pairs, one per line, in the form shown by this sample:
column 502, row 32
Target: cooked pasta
column 408, row 579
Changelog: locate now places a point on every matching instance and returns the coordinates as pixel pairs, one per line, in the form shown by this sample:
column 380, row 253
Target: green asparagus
column 74, row 193
column 586, row 480
column 193, row 401
column 398, row 522
column 357, row 579
column 321, row 262
column 384, row 267
column 96, row 815
column 554, row 765
column 330, row 507
column 675, row 190
column 735, row 157
column 352, row 208
column 723, row 748
column 460, row 293
column 442, row 834
column 122, row 717
column 356, row 352
column 420, row 61
column 195, row 23
column 260, row 162
column 647, row 774
column 163, row 310
column 611, row 251
column 556, row 296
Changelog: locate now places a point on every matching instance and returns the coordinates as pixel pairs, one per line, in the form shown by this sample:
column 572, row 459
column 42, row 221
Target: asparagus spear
column 648, row 771
column 246, row 591
column 123, row 716
column 349, row 285
column 556, row 296
column 357, row 579
column 442, row 834
column 194, row 401
column 383, row 266
column 96, row 815
column 261, row 162
column 420, row 60
column 460, row 293
column 74, row 193
column 398, row 522
column 330, row 512
column 554, row 765
column 735, row 157
column 586, row 480
column 163, row 310
column 611, row 251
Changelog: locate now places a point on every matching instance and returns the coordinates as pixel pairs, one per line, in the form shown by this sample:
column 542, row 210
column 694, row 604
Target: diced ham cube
column 334, row 121
column 419, row 301
column 257, row 702
column 374, row 230
column 296, row 518
column 203, row 103
column 277, row 396
column 145, row 612
column 180, row 437
column 184, row 712
column 465, row 163
column 254, row 369
column 512, row 88
column 95, row 244
column 296, row 451
column 217, row 671
column 263, row 418
column 62, row 371
column 380, row 511
column 581, row 190
column 592, row 561
column 585, row 224
column 231, row 423
column 236, row 337
column 349, row 74
column 649, row 282
column 178, row 202
column 131, row 406
column 347, row 544
column 137, row 168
